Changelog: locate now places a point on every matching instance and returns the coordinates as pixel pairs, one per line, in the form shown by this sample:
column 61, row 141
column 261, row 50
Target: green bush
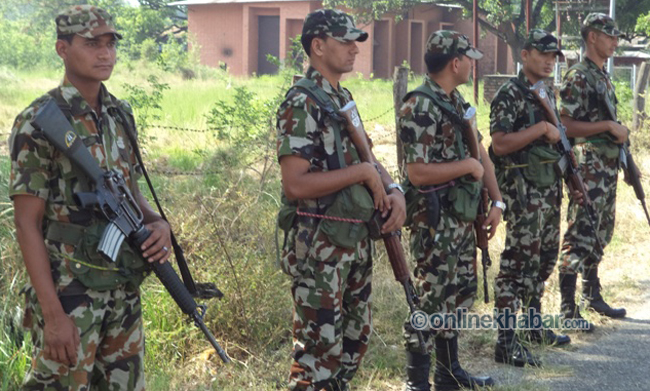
column 149, row 50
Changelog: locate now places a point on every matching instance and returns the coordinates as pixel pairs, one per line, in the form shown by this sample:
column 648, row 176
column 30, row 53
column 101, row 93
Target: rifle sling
column 178, row 251
column 446, row 108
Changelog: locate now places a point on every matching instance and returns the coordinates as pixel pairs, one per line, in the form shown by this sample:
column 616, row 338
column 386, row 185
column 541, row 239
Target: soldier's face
column 337, row 56
column 464, row 69
column 89, row 59
column 605, row 45
column 539, row 64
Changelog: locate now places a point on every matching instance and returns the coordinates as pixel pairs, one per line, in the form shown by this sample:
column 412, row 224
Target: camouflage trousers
column 600, row 175
column 332, row 323
column 445, row 276
column 531, row 248
column 110, row 356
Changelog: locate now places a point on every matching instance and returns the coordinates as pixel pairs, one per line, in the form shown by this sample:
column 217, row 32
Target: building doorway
column 269, row 43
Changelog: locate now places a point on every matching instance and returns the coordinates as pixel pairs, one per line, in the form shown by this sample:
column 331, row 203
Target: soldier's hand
column 492, row 221
column 397, row 214
column 477, row 169
column 552, row 134
column 60, row 339
column 619, row 132
column 577, row 197
column 158, row 245
column 376, row 186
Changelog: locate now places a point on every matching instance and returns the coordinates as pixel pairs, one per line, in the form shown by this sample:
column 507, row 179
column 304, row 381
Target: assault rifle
column 567, row 166
column 114, row 200
column 392, row 240
column 630, row 169
column 471, row 133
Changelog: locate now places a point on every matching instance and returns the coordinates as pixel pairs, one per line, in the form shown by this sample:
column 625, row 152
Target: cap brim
column 105, row 29
column 351, row 35
column 556, row 51
column 474, row 53
column 614, row 33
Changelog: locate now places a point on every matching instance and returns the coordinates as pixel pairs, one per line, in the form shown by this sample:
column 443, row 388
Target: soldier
column 523, row 155
column 438, row 160
column 327, row 251
column 86, row 320
column 597, row 140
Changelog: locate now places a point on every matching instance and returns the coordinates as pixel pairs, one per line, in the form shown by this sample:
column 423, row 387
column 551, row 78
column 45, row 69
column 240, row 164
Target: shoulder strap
column 426, row 91
column 323, row 101
column 526, row 91
column 591, row 80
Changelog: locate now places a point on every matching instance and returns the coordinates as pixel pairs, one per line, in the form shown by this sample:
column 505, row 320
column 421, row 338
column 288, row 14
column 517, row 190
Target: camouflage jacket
column 429, row 135
column 580, row 100
column 303, row 130
column 39, row 169
column 513, row 110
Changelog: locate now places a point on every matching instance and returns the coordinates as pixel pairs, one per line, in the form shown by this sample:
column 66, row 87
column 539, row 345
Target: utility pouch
column 352, row 203
column 609, row 150
column 287, row 214
column 99, row 274
column 540, row 168
column 413, row 198
column 374, row 226
column 464, row 198
column 88, row 266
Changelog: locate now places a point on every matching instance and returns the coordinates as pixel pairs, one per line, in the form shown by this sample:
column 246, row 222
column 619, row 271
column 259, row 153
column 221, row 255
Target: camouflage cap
column 543, row 41
column 336, row 24
column 602, row 22
column 452, row 42
column 85, row 20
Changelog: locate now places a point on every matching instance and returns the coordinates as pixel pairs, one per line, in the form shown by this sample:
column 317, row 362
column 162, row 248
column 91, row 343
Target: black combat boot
column 568, row 304
column 417, row 371
column 594, row 300
column 449, row 375
column 547, row 336
column 509, row 350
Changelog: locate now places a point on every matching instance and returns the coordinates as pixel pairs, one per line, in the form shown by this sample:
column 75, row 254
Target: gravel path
column 615, row 358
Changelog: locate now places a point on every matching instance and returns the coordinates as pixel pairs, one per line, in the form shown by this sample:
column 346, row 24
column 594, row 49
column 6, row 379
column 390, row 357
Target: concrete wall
column 228, row 33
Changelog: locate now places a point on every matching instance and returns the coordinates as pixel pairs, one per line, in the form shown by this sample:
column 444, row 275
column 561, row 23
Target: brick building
column 239, row 34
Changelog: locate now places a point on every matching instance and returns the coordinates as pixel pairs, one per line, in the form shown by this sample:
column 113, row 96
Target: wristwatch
column 395, row 186
column 499, row 204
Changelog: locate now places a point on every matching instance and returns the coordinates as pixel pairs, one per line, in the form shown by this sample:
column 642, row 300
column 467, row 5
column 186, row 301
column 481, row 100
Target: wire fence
column 174, row 172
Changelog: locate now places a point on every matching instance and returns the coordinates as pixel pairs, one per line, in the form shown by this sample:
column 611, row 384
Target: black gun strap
column 178, row 251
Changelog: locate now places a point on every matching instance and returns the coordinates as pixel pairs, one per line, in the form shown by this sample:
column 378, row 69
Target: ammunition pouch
column 540, row 166
column 602, row 146
column 426, row 196
column 352, row 203
column 464, row 198
column 88, row 266
column 287, row 214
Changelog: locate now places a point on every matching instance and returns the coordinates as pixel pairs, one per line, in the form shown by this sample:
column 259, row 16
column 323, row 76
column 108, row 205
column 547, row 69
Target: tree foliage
column 504, row 18
column 27, row 31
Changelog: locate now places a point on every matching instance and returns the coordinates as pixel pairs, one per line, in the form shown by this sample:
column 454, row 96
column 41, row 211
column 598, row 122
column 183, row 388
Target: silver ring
column 165, row 249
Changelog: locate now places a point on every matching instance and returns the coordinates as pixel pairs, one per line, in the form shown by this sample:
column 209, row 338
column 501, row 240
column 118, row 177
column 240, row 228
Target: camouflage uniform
column 533, row 211
column 109, row 323
column 445, row 278
column 331, row 285
column 597, row 156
